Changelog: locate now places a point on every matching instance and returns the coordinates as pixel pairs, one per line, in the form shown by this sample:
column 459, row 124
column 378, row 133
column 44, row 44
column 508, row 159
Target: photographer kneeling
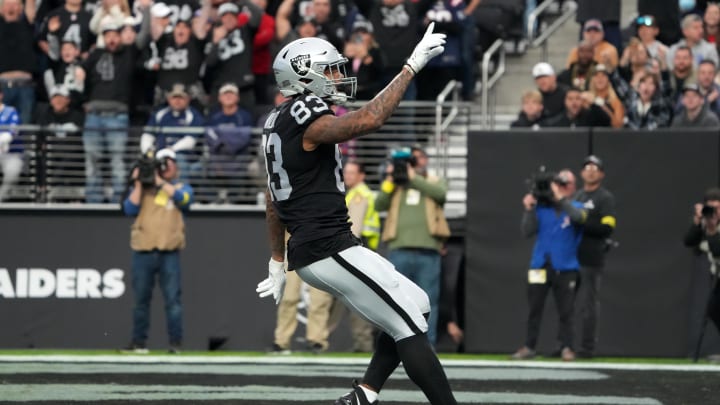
column 159, row 202
column 557, row 221
column 704, row 237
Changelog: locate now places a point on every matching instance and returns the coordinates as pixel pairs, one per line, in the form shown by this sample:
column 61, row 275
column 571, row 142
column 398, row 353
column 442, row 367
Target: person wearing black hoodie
column 667, row 16
column 580, row 111
column 695, row 112
column 532, row 114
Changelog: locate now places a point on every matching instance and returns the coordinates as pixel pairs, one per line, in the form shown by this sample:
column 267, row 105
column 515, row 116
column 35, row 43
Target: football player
column 306, row 196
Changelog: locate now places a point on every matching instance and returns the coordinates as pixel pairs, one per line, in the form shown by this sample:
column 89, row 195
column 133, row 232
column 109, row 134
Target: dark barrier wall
column 88, row 254
column 64, row 275
column 646, row 293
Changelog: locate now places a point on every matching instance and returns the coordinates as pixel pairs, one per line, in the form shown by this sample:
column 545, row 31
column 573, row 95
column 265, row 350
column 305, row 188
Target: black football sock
column 384, row 361
column 424, row 369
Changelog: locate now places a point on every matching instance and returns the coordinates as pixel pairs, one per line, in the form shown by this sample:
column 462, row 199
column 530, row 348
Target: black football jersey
column 74, row 27
column 230, row 60
column 178, row 63
column 307, row 188
column 395, row 27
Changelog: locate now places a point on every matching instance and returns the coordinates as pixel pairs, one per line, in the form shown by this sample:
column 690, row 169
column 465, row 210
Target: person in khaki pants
column 318, row 313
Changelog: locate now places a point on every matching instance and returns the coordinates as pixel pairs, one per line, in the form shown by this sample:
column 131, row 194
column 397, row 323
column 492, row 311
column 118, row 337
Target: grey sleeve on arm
column 714, row 244
column 529, row 223
column 576, row 214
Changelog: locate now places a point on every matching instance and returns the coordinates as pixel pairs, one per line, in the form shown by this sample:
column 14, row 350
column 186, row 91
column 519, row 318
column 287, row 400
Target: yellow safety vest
column 371, row 223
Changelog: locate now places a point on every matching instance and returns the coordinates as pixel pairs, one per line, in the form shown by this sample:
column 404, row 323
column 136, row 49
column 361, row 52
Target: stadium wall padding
column 646, row 293
column 225, row 258
column 652, row 293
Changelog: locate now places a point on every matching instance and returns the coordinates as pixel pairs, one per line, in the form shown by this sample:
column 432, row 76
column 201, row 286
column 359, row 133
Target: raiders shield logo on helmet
column 301, row 64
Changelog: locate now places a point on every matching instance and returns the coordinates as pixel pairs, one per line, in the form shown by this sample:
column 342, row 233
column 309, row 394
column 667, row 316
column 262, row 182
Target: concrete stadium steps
column 517, row 77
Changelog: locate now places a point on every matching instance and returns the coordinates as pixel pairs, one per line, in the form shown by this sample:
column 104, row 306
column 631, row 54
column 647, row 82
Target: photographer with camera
column 158, row 201
column 552, row 215
column 703, row 237
column 599, row 226
column 415, row 228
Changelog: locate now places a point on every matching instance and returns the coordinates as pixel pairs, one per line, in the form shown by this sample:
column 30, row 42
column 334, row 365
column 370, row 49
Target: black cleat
column 135, row 348
column 279, row 350
column 355, row 397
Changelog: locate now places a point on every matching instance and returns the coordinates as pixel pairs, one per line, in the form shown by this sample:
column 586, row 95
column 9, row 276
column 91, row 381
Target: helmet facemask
column 314, row 66
column 338, row 87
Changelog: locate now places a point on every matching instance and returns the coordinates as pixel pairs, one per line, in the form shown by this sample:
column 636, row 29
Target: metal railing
column 442, row 124
column 488, row 82
column 569, row 11
column 54, row 169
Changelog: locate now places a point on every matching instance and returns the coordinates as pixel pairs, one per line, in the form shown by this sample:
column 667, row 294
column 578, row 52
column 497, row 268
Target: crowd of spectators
column 662, row 73
column 108, row 65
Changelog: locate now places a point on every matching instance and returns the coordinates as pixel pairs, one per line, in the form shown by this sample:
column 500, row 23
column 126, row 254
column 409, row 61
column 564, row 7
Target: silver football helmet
column 313, row 65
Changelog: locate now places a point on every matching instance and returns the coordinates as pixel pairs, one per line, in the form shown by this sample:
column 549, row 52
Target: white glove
column 275, row 283
column 430, row 46
column 5, row 140
column 186, row 143
column 147, row 143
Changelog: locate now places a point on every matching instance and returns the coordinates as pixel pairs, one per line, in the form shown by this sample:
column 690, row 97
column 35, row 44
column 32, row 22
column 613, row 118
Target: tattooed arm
column 276, row 230
column 332, row 129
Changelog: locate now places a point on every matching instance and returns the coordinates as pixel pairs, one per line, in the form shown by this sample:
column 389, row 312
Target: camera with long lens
column 400, row 159
column 541, row 185
column 148, row 167
column 708, row 211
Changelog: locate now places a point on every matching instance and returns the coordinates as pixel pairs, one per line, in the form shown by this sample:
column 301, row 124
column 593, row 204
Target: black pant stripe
column 379, row 291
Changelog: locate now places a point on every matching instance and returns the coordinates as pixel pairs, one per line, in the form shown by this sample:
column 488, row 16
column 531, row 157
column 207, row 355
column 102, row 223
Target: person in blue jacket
column 11, row 149
column 228, row 138
column 557, row 221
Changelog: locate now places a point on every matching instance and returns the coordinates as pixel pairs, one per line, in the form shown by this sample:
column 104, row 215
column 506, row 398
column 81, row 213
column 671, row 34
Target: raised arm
column 200, row 24
column 30, row 10
column 331, row 129
column 282, row 19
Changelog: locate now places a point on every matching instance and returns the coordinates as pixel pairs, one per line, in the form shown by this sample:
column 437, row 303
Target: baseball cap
column 109, row 26
column 601, row 68
column 593, row 24
column 592, row 159
column 229, row 87
column 166, row 153
column 228, row 8
column 362, row 25
column 542, row 69
column 178, row 89
column 160, row 10
column 691, row 87
column 646, row 20
column 129, row 21
column 417, row 147
column 59, row 91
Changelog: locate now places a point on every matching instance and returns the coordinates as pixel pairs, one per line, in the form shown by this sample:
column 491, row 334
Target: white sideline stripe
column 308, row 370
column 104, row 392
column 274, row 359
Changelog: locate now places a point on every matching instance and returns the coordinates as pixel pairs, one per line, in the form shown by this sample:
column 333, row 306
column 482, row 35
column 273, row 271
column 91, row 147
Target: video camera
column 540, row 185
column 708, row 211
column 147, row 168
column 400, row 159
